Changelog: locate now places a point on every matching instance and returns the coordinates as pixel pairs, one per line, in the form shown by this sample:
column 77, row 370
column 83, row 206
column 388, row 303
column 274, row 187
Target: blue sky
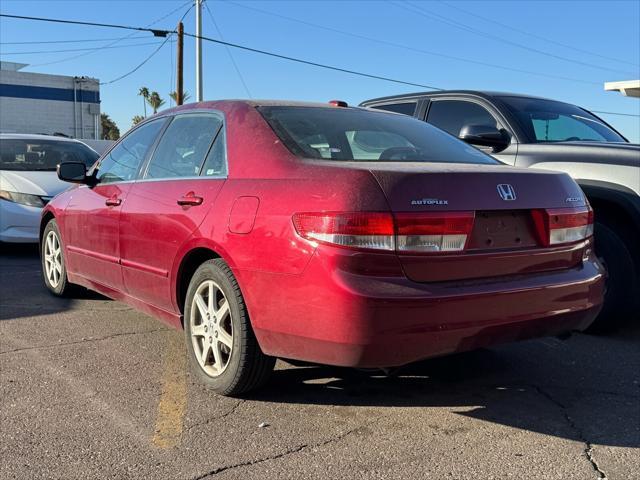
column 588, row 42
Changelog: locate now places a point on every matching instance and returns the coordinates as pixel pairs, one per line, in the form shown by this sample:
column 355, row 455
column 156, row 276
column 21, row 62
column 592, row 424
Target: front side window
column 42, row 155
column 550, row 121
column 407, row 108
column 184, row 146
column 452, row 115
column 351, row 134
column 123, row 161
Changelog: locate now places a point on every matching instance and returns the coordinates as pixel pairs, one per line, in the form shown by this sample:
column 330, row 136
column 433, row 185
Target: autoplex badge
column 430, row 201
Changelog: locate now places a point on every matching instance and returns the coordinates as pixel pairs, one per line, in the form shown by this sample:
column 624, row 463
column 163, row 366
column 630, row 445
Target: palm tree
column 110, row 130
column 144, row 93
column 136, row 120
column 185, row 96
column 155, row 101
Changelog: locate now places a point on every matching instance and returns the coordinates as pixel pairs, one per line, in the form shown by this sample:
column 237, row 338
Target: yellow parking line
column 173, row 400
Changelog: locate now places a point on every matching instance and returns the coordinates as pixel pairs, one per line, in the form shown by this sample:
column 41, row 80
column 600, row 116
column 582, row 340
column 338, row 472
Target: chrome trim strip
column 92, row 254
column 144, row 268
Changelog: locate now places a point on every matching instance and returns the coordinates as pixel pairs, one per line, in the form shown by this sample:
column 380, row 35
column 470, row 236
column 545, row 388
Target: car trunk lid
column 504, row 239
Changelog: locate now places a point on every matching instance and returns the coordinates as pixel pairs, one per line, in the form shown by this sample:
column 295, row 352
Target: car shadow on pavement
column 510, row 385
column 22, row 291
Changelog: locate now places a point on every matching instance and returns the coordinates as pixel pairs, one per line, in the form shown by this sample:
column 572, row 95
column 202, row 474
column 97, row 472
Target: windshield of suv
column 348, row 134
column 42, row 155
column 549, row 121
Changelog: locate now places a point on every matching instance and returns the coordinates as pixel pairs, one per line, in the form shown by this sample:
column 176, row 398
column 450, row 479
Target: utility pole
column 179, row 63
column 198, row 50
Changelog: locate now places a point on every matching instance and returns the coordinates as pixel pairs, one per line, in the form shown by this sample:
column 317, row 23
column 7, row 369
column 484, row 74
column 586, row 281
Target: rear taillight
column 370, row 230
column 433, row 231
column 408, row 232
column 563, row 225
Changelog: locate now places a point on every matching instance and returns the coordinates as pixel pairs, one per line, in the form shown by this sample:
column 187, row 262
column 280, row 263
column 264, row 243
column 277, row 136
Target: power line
column 221, row 42
column 86, row 40
column 462, row 26
column 540, row 37
column 255, row 50
column 314, row 64
column 412, row 49
column 140, row 64
column 615, row 113
column 168, row 37
column 80, row 49
column 157, row 32
column 235, row 65
column 182, row 5
column 117, row 40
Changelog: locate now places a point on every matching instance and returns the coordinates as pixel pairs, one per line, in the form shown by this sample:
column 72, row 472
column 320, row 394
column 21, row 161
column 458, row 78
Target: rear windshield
column 346, row 134
column 551, row 121
column 42, row 155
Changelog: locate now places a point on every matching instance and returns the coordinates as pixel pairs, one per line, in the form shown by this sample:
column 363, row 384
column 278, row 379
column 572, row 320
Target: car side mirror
column 485, row 136
column 74, row 172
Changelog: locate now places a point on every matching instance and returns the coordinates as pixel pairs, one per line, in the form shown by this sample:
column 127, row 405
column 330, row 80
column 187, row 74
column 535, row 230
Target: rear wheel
column 54, row 270
column 223, row 351
column 621, row 284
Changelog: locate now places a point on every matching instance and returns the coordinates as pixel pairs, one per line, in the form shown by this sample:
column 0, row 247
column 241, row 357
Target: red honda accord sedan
column 323, row 233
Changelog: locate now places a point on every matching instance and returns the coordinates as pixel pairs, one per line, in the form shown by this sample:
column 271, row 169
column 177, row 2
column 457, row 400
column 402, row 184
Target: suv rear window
column 349, row 134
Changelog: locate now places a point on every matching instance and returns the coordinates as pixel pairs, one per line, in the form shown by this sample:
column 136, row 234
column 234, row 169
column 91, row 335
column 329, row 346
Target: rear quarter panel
column 261, row 166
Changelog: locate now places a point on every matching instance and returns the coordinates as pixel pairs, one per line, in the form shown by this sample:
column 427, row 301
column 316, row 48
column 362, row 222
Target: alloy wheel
column 53, row 259
column 211, row 328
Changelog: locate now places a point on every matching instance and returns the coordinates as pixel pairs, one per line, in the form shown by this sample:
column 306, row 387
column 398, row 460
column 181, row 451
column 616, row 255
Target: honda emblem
column 506, row 192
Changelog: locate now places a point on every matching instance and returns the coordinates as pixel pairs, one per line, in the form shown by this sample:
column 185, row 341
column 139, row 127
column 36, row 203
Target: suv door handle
column 190, row 199
column 113, row 202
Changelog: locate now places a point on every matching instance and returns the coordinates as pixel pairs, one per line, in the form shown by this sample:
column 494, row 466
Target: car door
column 180, row 182
column 93, row 214
column 451, row 115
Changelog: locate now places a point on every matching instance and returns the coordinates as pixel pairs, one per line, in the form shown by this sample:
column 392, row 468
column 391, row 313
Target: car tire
column 223, row 350
column 54, row 270
column 621, row 284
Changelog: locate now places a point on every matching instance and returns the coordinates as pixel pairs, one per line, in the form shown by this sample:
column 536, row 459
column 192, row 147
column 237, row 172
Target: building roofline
column 628, row 88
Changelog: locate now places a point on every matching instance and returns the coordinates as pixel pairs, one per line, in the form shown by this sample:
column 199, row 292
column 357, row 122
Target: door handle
column 190, row 199
column 112, row 202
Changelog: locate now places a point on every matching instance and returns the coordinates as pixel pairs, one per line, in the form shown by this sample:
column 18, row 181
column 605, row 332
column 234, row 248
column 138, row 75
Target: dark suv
column 536, row 132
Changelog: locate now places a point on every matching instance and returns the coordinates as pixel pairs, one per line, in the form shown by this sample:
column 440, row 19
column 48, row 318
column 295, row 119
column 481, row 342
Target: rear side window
column 216, row 163
column 452, row 115
column 349, row 134
column 123, row 161
column 184, row 146
column 407, row 108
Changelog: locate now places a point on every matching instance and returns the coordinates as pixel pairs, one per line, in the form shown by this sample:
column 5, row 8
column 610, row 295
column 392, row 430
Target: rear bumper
column 338, row 318
column 19, row 223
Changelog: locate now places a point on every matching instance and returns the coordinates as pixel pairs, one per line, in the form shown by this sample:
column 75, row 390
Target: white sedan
column 28, row 179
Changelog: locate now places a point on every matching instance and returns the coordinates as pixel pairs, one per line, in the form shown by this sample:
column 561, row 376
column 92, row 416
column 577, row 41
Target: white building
column 42, row 103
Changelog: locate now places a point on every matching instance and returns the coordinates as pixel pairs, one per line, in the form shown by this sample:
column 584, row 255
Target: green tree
column 136, row 120
column 144, row 93
column 155, row 101
column 110, row 130
column 185, row 96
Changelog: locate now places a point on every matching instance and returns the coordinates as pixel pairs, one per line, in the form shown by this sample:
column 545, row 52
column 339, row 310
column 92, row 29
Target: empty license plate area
column 503, row 229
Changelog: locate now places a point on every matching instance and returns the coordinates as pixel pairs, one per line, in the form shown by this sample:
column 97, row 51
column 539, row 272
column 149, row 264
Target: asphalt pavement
column 90, row 388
